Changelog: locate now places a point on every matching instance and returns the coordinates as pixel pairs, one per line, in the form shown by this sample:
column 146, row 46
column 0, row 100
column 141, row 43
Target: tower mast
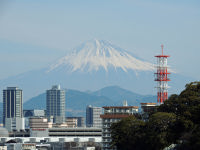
column 162, row 77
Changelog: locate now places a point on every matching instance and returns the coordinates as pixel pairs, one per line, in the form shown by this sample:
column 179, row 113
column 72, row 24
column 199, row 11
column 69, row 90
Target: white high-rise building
column 93, row 116
column 55, row 104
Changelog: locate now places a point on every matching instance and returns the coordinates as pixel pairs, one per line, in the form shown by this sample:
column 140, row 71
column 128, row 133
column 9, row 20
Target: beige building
column 60, row 125
column 72, row 122
column 29, row 146
column 39, row 126
column 39, row 122
column 3, row 147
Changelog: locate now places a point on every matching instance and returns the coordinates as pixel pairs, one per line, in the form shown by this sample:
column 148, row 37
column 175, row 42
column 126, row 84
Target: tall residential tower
column 55, row 104
column 13, row 108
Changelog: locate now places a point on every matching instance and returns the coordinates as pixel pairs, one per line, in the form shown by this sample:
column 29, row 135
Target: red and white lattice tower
column 162, row 77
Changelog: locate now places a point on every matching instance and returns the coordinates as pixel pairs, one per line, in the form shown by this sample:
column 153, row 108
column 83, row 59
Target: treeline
column 175, row 123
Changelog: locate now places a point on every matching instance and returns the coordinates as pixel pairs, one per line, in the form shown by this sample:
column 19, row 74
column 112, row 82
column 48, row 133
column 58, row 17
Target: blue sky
column 33, row 34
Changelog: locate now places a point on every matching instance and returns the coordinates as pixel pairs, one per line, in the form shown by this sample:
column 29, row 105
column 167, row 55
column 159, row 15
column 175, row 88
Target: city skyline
column 114, row 94
column 34, row 34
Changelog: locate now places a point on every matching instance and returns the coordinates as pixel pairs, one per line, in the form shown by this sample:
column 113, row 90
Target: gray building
column 13, row 108
column 55, row 104
column 93, row 116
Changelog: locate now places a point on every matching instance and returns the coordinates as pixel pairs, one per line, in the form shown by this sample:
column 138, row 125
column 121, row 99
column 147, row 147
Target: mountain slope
column 116, row 93
column 96, row 54
column 77, row 101
column 91, row 66
column 37, row 102
column 119, row 94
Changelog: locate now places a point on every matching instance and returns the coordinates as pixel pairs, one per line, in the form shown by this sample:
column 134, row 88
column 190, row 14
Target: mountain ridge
column 140, row 81
column 76, row 101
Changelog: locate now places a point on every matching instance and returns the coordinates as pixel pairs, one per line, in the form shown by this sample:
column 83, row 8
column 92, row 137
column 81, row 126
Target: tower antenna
column 162, row 77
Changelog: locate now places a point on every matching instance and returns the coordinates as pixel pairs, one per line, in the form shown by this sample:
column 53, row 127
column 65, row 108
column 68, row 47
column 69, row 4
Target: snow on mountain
column 97, row 54
column 91, row 66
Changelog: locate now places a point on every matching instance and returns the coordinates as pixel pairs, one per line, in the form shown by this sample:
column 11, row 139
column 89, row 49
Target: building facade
column 32, row 113
column 55, row 104
column 93, row 116
column 75, row 132
column 114, row 114
column 12, row 124
column 80, row 121
column 13, row 109
column 148, row 107
column 39, row 126
column 72, row 122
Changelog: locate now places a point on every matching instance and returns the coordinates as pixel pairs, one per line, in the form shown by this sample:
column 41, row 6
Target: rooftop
column 136, row 107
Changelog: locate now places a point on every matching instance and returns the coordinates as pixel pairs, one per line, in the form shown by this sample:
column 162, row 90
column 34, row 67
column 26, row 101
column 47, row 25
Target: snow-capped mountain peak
column 96, row 54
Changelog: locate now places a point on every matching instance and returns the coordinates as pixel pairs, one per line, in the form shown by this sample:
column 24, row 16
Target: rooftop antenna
column 162, row 48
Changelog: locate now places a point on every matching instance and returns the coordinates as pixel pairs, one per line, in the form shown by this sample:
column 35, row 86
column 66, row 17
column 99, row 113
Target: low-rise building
column 75, row 132
column 3, row 146
column 32, row 113
column 39, row 126
column 21, row 146
column 60, row 125
column 148, row 107
column 54, row 143
column 72, row 122
column 80, row 121
column 16, row 123
column 4, row 132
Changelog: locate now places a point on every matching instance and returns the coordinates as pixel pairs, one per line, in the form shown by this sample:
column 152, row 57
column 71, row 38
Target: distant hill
column 76, row 101
column 118, row 94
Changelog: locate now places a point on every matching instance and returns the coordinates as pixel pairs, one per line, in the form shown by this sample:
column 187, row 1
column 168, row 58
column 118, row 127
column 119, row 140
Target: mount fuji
column 92, row 66
column 98, row 54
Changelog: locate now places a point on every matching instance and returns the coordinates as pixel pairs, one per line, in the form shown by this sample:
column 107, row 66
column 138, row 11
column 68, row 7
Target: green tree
column 176, row 121
column 128, row 134
column 186, row 106
column 158, row 132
